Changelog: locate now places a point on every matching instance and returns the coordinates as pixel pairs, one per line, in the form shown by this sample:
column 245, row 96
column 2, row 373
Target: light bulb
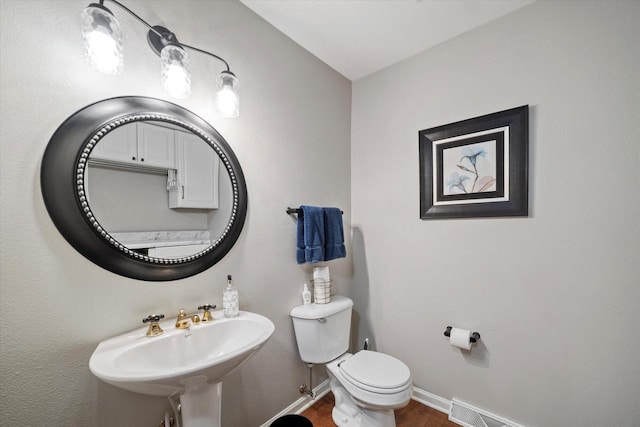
column 227, row 99
column 102, row 39
column 176, row 75
column 227, row 102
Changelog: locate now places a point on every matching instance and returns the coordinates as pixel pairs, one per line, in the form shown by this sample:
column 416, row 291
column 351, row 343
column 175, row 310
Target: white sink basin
column 186, row 362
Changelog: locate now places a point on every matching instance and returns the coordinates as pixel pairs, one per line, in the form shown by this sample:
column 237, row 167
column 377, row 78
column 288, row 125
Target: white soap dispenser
column 306, row 295
column 230, row 299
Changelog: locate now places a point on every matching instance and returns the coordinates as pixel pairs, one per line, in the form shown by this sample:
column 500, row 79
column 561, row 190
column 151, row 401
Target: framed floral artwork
column 476, row 167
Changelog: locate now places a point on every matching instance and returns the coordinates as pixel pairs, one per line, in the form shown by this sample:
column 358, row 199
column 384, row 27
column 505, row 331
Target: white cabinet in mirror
column 138, row 144
column 197, row 174
column 191, row 165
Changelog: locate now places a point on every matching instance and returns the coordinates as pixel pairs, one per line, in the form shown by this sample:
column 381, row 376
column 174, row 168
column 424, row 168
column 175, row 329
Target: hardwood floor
column 412, row 415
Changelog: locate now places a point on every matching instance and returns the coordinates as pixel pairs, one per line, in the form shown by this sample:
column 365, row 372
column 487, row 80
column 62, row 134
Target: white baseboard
column 431, row 400
column 301, row 404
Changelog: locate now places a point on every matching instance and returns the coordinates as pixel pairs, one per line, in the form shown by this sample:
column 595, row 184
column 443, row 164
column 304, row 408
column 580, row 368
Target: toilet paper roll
column 460, row 338
column 321, row 273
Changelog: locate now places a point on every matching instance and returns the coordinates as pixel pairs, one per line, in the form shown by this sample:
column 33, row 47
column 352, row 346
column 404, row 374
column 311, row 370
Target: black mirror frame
column 62, row 184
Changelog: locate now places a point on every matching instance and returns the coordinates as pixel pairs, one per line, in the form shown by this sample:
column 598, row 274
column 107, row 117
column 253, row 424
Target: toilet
column 368, row 385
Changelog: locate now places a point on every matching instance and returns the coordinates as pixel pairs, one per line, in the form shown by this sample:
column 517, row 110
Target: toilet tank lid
column 317, row 311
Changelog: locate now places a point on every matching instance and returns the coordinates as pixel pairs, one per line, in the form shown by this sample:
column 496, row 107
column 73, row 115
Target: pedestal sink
column 189, row 363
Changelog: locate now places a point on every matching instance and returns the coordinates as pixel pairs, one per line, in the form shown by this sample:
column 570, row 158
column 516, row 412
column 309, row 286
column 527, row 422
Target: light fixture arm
column 101, row 2
column 206, row 53
column 158, row 36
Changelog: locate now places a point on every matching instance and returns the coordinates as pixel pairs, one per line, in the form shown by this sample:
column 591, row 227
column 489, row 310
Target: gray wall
column 56, row 305
column 556, row 296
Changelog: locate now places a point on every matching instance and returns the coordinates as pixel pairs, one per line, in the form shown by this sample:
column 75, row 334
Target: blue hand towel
column 333, row 234
column 311, row 235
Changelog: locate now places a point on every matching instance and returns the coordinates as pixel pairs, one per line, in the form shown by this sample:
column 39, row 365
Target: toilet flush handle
column 322, row 320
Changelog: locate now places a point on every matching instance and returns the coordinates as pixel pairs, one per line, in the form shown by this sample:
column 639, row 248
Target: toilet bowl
column 368, row 386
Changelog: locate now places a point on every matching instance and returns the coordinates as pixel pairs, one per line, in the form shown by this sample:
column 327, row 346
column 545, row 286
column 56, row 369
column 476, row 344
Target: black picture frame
column 457, row 149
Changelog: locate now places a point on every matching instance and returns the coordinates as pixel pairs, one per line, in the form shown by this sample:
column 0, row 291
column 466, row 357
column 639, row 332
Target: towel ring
column 298, row 211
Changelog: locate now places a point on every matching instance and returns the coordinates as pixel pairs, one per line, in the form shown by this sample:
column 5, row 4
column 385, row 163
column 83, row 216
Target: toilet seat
column 356, row 383
column 376, row 372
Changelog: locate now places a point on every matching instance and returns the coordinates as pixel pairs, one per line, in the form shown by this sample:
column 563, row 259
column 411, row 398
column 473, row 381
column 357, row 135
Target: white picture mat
column 505, row 131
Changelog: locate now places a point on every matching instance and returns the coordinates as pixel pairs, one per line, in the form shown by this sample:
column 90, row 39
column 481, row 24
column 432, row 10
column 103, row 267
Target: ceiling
column 360, row 37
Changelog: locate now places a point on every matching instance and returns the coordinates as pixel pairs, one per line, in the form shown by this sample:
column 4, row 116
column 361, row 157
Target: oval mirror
column 144, row 188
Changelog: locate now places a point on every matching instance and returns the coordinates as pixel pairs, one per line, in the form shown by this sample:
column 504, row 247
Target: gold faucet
column 154, row 326
column 183, row 321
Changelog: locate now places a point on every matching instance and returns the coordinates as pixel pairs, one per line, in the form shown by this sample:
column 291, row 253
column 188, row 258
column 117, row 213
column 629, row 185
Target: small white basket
column 321, row 291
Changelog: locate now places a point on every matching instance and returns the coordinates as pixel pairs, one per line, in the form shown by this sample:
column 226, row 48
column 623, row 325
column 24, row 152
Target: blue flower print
column 472, row 154
column 457, row 181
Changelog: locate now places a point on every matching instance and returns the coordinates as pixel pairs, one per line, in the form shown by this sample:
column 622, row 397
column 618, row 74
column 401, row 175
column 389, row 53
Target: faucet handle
column 153, row 318
column 206, row 317
column 154, row 327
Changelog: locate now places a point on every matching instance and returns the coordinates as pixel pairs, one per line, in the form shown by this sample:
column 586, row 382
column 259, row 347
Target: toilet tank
column 322, row 330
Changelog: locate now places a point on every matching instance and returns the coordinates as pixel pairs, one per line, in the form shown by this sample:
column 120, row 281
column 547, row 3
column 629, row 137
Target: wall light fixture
column 103, row 50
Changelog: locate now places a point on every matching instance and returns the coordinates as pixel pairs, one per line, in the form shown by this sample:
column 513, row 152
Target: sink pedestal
column 201, row 405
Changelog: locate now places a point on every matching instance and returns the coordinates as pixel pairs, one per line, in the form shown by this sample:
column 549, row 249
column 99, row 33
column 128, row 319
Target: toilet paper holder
column 475, row 336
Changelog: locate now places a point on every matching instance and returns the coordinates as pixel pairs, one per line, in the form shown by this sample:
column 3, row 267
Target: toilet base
column 347, row 413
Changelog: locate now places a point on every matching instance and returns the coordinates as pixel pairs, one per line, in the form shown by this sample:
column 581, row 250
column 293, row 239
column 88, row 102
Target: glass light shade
column 227, row 99
column 176, row 73
column 102, row 39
